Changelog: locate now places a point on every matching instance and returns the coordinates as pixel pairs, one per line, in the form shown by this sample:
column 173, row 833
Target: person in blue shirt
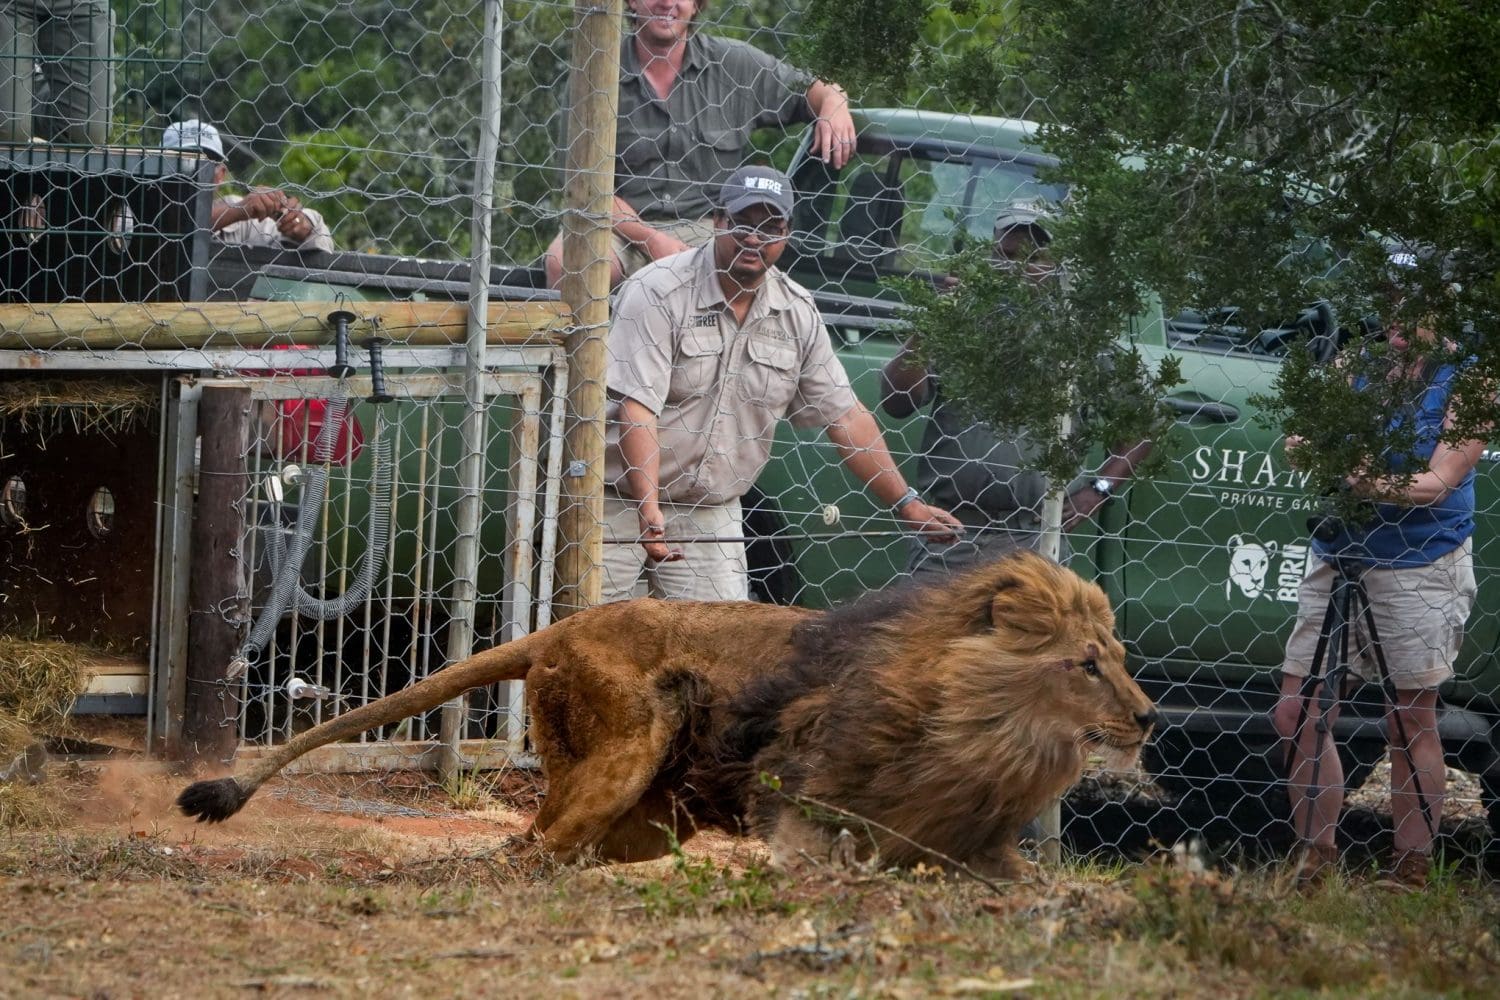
column 1417, row 561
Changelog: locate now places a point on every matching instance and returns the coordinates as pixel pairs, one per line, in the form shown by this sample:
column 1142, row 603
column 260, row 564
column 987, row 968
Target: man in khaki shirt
column 709, row 350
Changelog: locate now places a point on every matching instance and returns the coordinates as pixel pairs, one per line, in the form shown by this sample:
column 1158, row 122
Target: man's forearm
column 628, row 224
column 1122, row 461
column 863, row 449
column 826, row 98
column 641, row 451
column 223, row 215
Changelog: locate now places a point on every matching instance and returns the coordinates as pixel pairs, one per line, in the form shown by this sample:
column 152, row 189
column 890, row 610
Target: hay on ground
column 40, row 679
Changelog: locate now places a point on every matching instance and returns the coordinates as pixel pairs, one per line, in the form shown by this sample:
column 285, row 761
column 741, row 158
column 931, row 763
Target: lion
column 934, row 724
column 947, row 715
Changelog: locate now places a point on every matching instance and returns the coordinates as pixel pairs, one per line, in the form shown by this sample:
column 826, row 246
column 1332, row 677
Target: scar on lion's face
column 1090, row 652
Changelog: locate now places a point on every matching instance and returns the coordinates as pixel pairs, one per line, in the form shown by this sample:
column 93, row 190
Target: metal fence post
column 1050, row 819
column 471, row 467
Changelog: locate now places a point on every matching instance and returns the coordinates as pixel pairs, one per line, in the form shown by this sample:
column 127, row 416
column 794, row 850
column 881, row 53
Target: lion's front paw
column 1010, row 865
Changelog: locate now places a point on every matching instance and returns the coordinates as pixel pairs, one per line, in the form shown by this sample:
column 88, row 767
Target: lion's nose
column 1148, row 718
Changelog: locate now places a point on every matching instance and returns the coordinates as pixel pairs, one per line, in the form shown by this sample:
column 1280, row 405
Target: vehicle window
column 998, row 183
column 951, row 201
column 898, row 211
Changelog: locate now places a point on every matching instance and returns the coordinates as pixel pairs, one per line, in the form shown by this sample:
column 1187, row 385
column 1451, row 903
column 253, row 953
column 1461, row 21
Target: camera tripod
column 1348, row 603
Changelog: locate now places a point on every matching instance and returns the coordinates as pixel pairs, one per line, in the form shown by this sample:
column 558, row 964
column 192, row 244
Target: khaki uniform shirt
column 718, row 388
column 673, row 154
column 263, row 232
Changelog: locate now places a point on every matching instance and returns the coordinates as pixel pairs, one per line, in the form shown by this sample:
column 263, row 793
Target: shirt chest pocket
column 770, row 376
column 695, row 369
column 728, row 143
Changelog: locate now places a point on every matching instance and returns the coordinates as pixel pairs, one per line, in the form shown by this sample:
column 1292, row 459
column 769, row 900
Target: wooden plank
column 218, row 594
column 418, row 755
column 98, row 664
column 164, row 325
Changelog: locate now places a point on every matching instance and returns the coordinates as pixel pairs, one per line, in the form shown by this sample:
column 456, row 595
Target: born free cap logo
column 763, row 184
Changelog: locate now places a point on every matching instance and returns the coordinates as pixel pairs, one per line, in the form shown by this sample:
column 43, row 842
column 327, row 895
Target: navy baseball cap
column 757, row 186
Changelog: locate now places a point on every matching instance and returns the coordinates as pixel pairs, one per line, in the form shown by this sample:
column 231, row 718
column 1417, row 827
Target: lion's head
column 1041, row 652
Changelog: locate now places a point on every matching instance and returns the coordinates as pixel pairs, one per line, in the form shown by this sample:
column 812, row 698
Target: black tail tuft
column 212, row 801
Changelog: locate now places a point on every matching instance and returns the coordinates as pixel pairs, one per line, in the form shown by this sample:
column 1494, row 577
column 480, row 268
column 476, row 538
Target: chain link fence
column 346, row 174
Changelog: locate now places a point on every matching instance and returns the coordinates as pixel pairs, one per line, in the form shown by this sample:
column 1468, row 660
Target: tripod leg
column 1315, row 779
column 1307, row 690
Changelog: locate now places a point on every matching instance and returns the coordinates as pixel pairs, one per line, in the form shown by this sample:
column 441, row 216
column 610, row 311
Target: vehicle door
column 1214, row 548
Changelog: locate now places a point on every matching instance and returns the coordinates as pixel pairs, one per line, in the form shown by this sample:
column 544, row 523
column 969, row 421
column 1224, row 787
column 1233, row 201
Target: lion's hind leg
column 586, row 801
column 603, row 747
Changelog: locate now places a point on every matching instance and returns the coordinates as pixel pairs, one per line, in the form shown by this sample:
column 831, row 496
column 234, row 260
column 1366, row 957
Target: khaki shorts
column 709, row 570
column 693, row 232
column 1419, row 613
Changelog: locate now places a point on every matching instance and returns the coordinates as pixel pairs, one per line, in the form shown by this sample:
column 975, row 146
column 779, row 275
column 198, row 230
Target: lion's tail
column 214, row 801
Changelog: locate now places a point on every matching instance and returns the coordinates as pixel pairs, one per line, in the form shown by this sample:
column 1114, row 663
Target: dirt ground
column 379, row 886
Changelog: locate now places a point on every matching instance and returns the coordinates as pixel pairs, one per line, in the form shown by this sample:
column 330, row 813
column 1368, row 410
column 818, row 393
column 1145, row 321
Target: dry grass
column 39, row 682
column 82, row 405
column 134, row 900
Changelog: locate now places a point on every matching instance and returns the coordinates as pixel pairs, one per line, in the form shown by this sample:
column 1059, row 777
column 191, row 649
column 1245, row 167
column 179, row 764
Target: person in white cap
column 688, row 103
column 965, row 465
column 710, row 349
column 266, row 217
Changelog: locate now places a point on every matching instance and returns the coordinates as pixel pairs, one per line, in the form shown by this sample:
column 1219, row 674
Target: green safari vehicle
column 1202, row 563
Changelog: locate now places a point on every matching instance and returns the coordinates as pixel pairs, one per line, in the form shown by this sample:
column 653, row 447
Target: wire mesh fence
column 332, row 161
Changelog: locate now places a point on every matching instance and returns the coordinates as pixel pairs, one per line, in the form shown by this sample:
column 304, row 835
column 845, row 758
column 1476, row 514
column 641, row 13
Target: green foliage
column 946, row 56
column 1262, row 156
column 1276, row 152
column 1021, row 355
column 698, row 884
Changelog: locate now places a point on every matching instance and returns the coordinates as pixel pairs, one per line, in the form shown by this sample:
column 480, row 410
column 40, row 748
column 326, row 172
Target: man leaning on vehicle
column 688, row 102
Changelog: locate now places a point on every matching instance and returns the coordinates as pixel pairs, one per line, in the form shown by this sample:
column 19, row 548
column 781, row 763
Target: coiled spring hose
column 286, row 560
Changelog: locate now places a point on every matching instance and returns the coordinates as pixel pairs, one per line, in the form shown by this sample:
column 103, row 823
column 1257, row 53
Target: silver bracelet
column 906, row 498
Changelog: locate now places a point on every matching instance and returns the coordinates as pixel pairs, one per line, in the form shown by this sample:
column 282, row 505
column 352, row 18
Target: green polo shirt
column 672, row 155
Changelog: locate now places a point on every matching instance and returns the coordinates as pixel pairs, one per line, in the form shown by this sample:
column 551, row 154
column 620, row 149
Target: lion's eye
column 1091, row 667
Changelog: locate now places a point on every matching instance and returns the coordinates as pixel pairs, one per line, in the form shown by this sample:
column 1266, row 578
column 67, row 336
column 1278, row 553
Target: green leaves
column 1019, row 355
column 1256, row 156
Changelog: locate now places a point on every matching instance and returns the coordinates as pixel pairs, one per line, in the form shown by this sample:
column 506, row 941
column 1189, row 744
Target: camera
column 1336, row 512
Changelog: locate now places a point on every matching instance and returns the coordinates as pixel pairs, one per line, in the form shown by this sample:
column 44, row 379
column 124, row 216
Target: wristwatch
column 910, row 495
column 1103, row 487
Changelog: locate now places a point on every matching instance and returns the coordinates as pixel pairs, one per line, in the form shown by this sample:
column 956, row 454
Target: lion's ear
column 1027, row 593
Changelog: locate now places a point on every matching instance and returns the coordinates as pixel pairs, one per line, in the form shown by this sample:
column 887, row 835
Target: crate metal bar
column 464, row 596
column 169, row 663
column 555, row 440
column 163, row 482
column 526, row 436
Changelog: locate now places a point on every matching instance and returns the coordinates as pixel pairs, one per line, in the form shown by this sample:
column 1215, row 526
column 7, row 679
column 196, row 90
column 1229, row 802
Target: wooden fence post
column 594, row 91
column 218, row 591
